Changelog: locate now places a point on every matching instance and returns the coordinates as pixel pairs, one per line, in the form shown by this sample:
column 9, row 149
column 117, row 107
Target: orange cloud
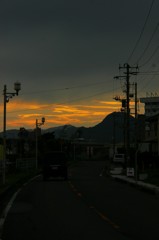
column 24, row 114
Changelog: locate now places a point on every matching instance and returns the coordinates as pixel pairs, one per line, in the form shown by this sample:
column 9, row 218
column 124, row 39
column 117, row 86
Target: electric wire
column 68, row 102
column 146, row 85
column 146, row 48
column 63, row 89
column 149, row 71
column 152, row 55
column 149, row 81
column 148, row 44
column 142, row 31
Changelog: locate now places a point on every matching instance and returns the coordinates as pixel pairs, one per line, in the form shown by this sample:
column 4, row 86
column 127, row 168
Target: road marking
column 100, row 214
column 92, row 207
column 106, row 219
column 30, row 180
column 79, row 194
column 73, row 187
column 10, row 203
column 6, row 210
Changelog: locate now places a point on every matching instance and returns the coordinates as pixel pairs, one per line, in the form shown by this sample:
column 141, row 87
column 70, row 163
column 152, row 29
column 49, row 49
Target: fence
column 25, row 164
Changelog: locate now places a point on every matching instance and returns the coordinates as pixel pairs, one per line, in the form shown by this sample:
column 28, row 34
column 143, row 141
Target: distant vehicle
column 55, row 165
column 119, row 158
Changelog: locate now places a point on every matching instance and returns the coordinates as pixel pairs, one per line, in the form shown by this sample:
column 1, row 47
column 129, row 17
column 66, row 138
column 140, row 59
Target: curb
column 139, row 184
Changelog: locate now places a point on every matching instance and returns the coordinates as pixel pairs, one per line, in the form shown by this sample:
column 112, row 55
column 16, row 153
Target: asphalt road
column 87, row 206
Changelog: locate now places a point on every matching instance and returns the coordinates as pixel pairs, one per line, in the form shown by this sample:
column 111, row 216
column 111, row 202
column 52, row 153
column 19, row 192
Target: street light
column 7, row 96
column 17, row 87
column 36, row 133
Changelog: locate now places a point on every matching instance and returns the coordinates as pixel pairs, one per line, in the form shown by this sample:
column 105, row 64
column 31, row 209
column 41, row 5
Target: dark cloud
column 97, row 15
column 68, row 40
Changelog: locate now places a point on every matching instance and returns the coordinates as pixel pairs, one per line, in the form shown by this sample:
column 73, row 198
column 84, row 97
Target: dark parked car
column 55, row 165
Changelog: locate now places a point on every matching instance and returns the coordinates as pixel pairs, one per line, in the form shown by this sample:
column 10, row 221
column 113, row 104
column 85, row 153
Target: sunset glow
column 70, row 60
column 24, row 114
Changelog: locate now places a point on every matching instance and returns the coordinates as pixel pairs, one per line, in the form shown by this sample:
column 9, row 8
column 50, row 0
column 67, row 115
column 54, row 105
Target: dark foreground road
column 87, row 206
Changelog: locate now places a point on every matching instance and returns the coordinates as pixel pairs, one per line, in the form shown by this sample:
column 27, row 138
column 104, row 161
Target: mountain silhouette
column 112, row 127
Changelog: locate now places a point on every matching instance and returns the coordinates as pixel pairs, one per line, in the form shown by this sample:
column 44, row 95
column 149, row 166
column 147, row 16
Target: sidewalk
column 140, row 184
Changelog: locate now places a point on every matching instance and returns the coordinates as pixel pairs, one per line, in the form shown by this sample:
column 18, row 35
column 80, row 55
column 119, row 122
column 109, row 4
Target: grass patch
column 15, row 179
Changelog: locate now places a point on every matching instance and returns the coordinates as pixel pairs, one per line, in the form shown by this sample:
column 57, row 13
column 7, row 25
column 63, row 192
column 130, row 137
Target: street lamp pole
column 36, row 136
column 4, row 136
column 7, row 96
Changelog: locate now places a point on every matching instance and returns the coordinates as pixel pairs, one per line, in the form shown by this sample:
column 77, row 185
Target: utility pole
column 7, row 95
column 114, row 133
column 127, row 67
column 136, row 140
column 128, row 71
column 37, row 124
column 4, row 136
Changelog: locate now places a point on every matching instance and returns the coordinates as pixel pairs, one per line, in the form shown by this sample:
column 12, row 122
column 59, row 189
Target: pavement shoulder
column 140, row 184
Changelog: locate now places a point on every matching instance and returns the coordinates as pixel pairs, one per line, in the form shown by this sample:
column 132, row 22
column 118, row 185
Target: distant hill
column 66, row 131
column 111, row 126
column 12, row 133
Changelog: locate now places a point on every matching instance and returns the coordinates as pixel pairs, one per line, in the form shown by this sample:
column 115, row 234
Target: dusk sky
column 65, row 54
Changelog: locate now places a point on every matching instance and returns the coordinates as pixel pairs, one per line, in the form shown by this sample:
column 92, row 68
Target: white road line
column 10, row 203
column 6, row 210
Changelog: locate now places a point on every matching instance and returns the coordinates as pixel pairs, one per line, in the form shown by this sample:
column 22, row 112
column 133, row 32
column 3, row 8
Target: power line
column 64, row 89
column 149, row 72
column 152, row 55
column 149, row 42
column 147, row 83
column 71, row 101
column 142, row 31
column 149, row 80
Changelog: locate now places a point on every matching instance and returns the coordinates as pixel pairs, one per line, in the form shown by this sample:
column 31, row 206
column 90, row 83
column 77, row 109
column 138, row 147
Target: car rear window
column 55, row 157
column 119, row 156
